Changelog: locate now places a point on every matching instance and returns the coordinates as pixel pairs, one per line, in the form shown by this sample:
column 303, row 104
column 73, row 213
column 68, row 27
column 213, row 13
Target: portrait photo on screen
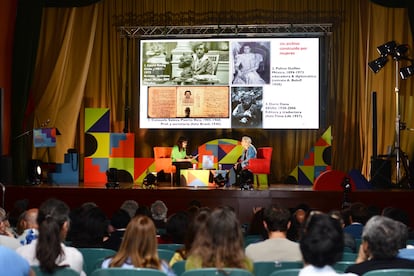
column 246, row 107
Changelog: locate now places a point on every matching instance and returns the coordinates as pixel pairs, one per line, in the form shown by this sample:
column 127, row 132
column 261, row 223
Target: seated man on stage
column 180, row 159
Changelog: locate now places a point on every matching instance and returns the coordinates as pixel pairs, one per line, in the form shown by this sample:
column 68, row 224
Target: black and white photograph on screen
column 246, row 105
column 185, row 62
column 251, row 62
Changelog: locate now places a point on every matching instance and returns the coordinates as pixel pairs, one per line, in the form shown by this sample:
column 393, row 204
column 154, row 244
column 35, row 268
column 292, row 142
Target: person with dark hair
column 219, row 244
column 119, row 222
column 139, row 248
column 92, row 228
column 180, row 158
column 358, row 217
column 246, row 64
column 201, row 65
column 176, row 228
column 381, row 241
column 277, row 247
column 322, row 245
column 197, row 223
column 48, row 251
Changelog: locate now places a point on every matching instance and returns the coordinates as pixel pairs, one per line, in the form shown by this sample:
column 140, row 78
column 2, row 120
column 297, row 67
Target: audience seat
column 179, row 267
column 266, row 268
column 165, row 254
column 286, row 272
column 93, row 258
column 394, row 271
column 215, row 271
column 341, row 266
column 127, row 272
column 66, row 271
column 170, row 246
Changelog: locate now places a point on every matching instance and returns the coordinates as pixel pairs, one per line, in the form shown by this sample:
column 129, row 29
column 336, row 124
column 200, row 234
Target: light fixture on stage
column 112, row 178
column 377, row 64
column 386, row 48
column 35, row 172
column 406, row 72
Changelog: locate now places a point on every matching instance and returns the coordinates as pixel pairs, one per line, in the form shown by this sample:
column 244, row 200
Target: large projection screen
column 268, row 83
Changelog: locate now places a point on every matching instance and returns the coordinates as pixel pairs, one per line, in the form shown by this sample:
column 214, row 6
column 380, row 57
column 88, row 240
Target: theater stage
column 178, row 198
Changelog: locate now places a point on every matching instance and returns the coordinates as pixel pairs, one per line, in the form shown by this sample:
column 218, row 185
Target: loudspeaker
column 381, row 173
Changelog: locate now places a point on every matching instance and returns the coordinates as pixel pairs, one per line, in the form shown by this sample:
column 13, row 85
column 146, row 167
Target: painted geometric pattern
column 97, row 120
column 225, row 151
column 316, row 161
column 196, row 178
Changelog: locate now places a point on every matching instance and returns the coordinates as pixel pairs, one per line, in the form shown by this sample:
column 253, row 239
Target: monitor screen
column 269, row 83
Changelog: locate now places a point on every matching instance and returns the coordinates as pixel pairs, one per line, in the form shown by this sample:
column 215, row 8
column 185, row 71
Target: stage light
column 112, row 178
column 387, row 48
column 376, row 65
column 35, row 172
column 406, row 72
column 400, row 51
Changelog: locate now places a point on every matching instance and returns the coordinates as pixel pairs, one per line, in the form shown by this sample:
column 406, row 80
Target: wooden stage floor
column 178, row 198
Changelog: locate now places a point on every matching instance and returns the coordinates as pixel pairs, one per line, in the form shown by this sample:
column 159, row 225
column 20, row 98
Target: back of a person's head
column 177, row 226
column 143, row 210
column 159, row 210
column 322, row 241
column 120, row 219
column 276, row 218
column 53, row 221
column 92, row 228
column 139, row 244
column 359, row 212
column 196, row 224
column 130, row 206
column 383, row 237
column 397, row 214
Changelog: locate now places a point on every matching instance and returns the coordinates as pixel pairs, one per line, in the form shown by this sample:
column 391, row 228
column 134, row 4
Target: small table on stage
column 202, row 177
column 179, row 165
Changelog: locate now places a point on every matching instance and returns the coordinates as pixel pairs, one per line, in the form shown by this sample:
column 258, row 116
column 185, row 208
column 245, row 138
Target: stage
column 178, row 198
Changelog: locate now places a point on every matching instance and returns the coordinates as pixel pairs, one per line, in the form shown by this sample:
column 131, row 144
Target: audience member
column 349, row 241
column 277, row 247
column 118, row 225
column 139, row 247
column 176, row 228
column 28, row 225
column 297, row 221
column 130, row 206
column 358, row 217
column 197, row 223
column 401, row 216
column 48, row 251
column 379, row 248
column 7, row 238
column 159, row 214
column 256, row 226
column 13, row 264
column 143, row 210
column 219, row 244
column 321, row 245
column 92, row 228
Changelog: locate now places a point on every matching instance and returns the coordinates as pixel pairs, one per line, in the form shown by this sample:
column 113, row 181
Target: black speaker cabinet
column 381, row 173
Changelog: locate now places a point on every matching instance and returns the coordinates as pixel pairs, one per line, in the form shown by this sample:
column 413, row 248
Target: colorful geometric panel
column 125, row 164
column 97, row 120
column 316, row 161
column 95, row 170
column 196, row 178
column 122, row 145
column 142, row 167
column 44, row 137
column 225, row 151
column 101, row 142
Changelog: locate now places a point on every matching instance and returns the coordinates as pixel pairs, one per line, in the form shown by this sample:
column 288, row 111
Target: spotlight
column 400, row 51
column 386, row 48
column 35, row 172
column 112, row 178
column 376, row 65
column 407, row 72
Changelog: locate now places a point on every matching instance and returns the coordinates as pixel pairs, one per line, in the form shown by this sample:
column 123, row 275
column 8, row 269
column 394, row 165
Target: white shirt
column 72, row 256
column 327, row 270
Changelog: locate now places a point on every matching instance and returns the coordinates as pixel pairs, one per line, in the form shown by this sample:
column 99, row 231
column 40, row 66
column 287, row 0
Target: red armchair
column 163, row 161
column 261, row 164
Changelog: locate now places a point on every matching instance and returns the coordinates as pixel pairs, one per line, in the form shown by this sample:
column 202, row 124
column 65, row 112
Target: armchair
column 163, row 161
column 261, row 164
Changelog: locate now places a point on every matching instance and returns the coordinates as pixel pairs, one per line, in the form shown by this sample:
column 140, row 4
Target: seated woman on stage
column 180, row 158
column 249, row 151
